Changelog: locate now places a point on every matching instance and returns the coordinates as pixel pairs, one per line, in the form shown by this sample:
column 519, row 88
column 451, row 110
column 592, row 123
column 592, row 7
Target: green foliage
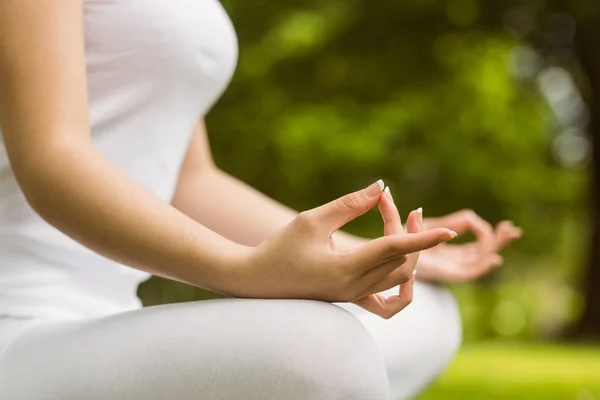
column 335, row 94
column 332, row 95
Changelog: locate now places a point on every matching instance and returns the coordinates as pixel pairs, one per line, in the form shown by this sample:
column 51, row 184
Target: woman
column 106, row 177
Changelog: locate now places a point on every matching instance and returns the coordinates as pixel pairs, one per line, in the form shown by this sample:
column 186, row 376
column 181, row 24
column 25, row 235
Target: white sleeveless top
column 154, row 68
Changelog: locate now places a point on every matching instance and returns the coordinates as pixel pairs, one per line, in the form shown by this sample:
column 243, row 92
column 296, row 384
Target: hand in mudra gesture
column 467, row 261
column 405, row 273
column 303, row 261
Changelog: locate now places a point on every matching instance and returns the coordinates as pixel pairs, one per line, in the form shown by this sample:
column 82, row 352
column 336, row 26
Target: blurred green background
column 493, row 106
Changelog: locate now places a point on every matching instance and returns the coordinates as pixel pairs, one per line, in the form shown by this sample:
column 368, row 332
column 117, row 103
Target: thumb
column 339, row 212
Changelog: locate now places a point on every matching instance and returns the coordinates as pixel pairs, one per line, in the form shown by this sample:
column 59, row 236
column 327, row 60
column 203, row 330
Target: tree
column 583, row 63
column 330, row 95
column 587, row 14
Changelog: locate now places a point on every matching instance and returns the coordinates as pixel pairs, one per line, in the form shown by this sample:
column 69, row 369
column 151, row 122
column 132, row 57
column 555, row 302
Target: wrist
column 232, row 270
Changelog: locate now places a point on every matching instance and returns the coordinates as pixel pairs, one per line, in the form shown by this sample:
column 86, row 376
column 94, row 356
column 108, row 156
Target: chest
column 166, row 42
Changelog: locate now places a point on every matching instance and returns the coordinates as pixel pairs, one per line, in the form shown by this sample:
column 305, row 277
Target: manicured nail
column 420, row 216
column 414, row 271
column 388, row 193
column 375, row 188
column 453, row 234
column 420, row 210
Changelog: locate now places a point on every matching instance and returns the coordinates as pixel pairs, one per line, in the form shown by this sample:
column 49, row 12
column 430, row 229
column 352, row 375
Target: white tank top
column 154, row 68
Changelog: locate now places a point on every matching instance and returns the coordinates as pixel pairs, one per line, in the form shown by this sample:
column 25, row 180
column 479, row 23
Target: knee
column 344, row 360
column 292, row 349
column 434, row 339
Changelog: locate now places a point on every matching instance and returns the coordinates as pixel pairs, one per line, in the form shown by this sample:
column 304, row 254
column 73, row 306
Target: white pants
column 234, row 349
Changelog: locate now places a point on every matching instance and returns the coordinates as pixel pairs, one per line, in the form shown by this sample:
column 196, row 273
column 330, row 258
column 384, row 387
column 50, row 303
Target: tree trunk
column 587, row 47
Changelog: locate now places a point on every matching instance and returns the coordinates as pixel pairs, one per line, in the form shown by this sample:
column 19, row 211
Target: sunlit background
column 489, row 105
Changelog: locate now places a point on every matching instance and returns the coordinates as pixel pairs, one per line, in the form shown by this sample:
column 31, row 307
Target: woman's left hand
column 469, row 261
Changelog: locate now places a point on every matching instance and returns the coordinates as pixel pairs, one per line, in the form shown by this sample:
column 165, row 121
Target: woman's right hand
column 302, row 261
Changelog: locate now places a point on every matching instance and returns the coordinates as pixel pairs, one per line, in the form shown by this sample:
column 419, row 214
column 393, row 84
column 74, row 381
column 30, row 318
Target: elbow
column 42, row 182
column 37, row 190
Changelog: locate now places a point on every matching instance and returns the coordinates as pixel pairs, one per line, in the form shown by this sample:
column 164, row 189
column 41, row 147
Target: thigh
column 218, row 349
column 417, row 343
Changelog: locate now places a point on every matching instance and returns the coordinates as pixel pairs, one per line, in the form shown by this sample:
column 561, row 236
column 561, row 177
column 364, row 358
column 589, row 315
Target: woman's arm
column 227, row 205
column 44, row 119
column 244, row 215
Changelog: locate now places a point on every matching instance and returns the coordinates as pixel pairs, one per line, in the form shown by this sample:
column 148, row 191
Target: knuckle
column 389, row 246
column 387, row 314
column 468, row 213
column 349, row 201
column 404, row 276
column 306, row 220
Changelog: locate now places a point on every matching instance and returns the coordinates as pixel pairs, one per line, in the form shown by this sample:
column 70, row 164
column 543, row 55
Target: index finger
column 387, row 248
column 468, row 220
column 483, row 231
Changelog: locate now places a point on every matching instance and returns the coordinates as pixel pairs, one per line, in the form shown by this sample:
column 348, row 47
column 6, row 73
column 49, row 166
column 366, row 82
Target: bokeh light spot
column 508, row 318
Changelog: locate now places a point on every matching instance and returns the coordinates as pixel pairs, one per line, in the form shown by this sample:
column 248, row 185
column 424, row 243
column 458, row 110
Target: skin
column 446, row 262
column 376, row 303
column 232, row 198
column 46, row 131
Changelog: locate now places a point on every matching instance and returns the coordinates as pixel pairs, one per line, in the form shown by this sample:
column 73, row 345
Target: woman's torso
column 154, row 68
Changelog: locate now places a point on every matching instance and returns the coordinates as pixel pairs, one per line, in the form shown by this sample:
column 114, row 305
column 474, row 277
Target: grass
column 520, row 371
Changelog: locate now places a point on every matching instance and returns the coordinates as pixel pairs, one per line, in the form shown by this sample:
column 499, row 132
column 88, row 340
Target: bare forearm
column 86, row 197
column 234, row 209
column 244, row 215
column 230, row 207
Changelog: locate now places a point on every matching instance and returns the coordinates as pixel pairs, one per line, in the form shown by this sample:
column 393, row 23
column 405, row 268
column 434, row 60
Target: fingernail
column 375, row 188
column 420, row 215
column 420, row 210
column 453, row 234
column 414, row 271
column 388, row 193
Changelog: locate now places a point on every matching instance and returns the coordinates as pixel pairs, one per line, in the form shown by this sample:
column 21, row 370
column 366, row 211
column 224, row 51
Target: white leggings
column 236, row 349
